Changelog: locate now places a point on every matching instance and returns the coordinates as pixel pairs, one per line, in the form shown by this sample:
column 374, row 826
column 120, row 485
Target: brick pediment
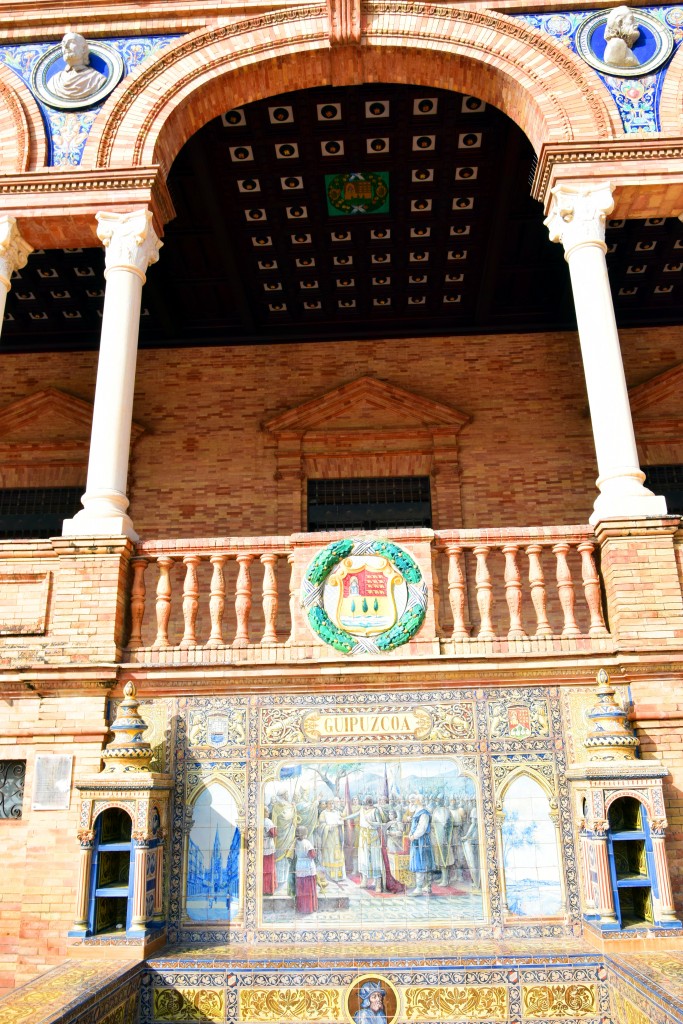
column 365, row 402
column 656, row 407
column 49, row 417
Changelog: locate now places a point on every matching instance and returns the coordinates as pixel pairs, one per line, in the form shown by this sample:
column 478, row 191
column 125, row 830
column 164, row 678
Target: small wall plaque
column 52, row 782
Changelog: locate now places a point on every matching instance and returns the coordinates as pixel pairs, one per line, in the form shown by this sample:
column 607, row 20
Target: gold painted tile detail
column 290, row 1004
column 559, row 1001
column 457, row 1002
column 626, row 1012
column 183, row 1004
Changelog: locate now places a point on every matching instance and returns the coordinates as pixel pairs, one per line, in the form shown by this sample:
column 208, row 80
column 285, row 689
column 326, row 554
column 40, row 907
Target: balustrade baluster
column 591, row 588
column 163, row 603
column 538, row 594
column 513, row 592
column 293, row 599
column 484, row 595
column 436, row 593
column 269, row 562
column 190, row 600
column 217, row 601
column 565, row 589
column 243, row 601
column 456, row 591
column 138, row 593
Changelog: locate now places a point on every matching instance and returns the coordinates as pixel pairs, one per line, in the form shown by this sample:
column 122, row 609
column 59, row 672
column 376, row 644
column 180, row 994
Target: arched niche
column 529, row 849
column 632, row 865
column 111, row 886
column 213, row 859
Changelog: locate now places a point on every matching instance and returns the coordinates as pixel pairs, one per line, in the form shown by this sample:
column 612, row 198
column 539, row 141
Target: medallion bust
column 621, row 33
column 79, row 80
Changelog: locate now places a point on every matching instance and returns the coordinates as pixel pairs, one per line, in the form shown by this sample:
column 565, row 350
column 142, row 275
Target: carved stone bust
column 621, row 33
column 79, row 80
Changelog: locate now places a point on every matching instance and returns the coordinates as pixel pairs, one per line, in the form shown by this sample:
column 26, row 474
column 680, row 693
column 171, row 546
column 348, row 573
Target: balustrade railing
column 510, row 588
column 532, row 570
column 180, row 618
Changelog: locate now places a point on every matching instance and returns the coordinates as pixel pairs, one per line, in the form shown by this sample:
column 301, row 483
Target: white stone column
column 577, row 220
column 131, row 246
column 14, row 253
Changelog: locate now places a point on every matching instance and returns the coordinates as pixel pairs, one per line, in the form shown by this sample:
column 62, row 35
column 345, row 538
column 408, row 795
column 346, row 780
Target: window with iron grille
column 369, row 503
column 27, row 512
column 667, row 480
column 12, row 775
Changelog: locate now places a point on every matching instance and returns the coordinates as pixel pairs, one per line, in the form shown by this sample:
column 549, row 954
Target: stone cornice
column 73, row 195
column 614, row 159
column 33, row 20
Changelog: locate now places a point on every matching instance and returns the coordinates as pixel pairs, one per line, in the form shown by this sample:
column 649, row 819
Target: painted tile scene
column 213, row 862
column 371, row 841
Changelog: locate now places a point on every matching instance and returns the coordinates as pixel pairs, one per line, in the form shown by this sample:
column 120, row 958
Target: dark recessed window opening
column 369, row 503
column 34, row 512
column 12, row 775
column 667, row 480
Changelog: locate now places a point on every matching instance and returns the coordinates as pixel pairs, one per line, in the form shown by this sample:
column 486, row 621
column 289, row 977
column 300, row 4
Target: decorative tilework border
column 636, row 981
column 637, row 99
column 67, row 131
column 75, row 992
column 554, row 984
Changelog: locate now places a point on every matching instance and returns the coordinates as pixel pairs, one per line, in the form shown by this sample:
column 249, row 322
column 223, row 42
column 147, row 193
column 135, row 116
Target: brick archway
column 22, row 134
column 671, row 103
column 547, row 91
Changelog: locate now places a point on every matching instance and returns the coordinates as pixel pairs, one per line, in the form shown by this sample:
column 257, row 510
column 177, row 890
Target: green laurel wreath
column 343, row 641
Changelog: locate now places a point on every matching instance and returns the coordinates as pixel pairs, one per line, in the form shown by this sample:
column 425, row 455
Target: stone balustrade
column 508, row 592
column 534, row 587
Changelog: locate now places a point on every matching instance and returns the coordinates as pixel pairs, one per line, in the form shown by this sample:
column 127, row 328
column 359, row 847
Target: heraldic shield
column 366, row 603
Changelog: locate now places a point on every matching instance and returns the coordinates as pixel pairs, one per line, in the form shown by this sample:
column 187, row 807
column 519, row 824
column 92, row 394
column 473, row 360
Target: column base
column 631, row 506
column 84, row 525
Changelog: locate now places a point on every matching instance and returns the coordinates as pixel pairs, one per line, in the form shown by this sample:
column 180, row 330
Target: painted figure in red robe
column 305, row 873
column 269, row 876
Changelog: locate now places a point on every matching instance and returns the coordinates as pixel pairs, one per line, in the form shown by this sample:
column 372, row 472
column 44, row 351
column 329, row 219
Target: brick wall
column 40, row 850
column 205, row 467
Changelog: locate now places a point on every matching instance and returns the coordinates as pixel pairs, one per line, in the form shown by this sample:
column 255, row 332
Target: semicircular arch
column 546, row 90
column 670, row 104
column 22, row 134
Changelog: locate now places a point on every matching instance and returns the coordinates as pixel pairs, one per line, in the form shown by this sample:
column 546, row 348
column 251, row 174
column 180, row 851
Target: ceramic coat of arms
column 364, row 596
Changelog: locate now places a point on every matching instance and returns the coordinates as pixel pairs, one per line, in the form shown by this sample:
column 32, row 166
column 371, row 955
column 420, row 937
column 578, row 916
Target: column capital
column 14, row 251
column 577, row 215
column 130, row 241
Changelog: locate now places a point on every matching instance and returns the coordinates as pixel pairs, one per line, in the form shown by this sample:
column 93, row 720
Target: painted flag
column 292, row 771
column 385, row 792
column 347, row 801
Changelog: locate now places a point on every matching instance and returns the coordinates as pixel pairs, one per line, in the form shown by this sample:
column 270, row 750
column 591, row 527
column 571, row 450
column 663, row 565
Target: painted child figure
column 305, row 873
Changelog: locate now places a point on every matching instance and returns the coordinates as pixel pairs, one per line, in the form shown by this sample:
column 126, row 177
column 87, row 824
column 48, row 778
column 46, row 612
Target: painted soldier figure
column 421, row 861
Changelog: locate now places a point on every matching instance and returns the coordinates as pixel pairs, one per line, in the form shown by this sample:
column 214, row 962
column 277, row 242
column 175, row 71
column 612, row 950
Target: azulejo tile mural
column 67, row 130
column 402, row 817
column 637, row 97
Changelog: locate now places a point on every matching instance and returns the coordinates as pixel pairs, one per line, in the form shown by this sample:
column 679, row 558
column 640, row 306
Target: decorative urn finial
column 611, row 737
column 128, row 751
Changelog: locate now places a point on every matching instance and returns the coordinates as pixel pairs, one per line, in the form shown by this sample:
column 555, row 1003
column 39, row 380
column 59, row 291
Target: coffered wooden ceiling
column 370, row 211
